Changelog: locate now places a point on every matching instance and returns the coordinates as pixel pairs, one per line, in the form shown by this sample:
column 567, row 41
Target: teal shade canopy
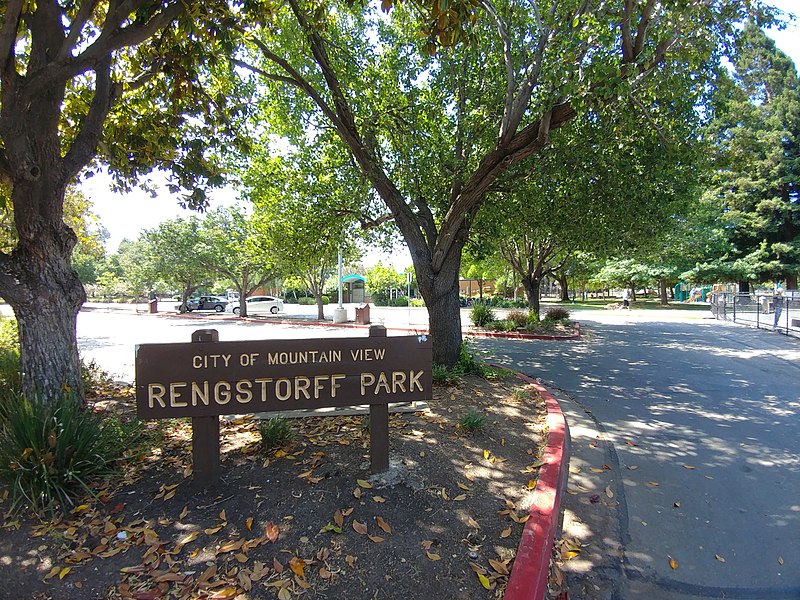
column 352, row 278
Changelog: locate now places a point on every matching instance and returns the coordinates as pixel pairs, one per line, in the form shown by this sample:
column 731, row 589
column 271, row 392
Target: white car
column 258, row 305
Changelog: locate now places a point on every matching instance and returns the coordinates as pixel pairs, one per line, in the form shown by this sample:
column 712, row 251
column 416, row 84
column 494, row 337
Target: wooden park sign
column 208, row 378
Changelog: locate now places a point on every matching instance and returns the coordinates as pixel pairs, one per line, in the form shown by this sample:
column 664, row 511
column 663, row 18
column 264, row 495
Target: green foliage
column 399, row 301
column 532, row 319
column 757, row 134
column 275, row 433
column 446, row 376
column 471, row 421
column 417, row 302
column 10, row 376
column 557, row 313
column 481, row 315
column 502, row 325
column 51, row 452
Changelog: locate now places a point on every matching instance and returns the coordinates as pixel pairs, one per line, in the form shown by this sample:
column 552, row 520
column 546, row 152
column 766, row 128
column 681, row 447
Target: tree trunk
column 532, row 292
column 791, row 282
column 444, row 313
column 440, row 291
column 45, row 292
column 320, row 307
column 564, row 285
column 744, row 287
column 662, row 291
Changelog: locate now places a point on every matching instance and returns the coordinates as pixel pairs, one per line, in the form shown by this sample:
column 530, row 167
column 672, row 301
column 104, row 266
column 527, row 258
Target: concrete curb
column 528, row 580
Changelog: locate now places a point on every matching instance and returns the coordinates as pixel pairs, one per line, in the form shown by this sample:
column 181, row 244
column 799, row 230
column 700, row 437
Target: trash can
column 362, row 314
column 153, row 306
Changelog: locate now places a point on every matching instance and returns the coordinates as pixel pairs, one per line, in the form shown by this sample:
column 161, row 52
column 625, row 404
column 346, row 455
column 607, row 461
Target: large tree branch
column 112, row 38
column 76, row 26
column 8, row 35
column 85, row 144
column 508, row 63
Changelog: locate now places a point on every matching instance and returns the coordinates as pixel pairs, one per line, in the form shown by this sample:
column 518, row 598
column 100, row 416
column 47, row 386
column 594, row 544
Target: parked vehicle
column 258, row 305
column 203, row 303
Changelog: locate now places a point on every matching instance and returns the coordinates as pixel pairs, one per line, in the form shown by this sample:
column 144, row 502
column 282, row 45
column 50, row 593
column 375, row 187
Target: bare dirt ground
column 304, row 521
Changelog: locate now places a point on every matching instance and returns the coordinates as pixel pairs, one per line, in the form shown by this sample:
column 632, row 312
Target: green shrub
column 304, row 301
column 417, row 302
column 518, row 317
column 472, row 421
column 444, row 376
column 399, row 301
column 51, row 452
column 533, row 319
column 275, row 433
column 557, row 313
column 481, row 315
column 503, row 325
column 325, row 300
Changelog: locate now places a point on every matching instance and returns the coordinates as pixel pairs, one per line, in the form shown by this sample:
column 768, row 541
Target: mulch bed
column 304, row 521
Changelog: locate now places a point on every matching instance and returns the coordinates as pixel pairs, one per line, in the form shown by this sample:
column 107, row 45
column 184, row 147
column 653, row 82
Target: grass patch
column 471, row 421
column 275, row 433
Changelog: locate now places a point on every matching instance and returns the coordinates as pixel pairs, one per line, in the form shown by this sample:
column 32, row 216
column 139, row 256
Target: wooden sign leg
column 205, row 434
column 378, row 424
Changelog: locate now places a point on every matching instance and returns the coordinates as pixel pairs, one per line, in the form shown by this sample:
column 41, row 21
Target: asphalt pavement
column 684, row 460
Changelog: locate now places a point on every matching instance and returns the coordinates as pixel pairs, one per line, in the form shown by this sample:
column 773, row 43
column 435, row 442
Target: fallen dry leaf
column 484, row 580
column 297, row 565
column 432, row 555
column 360, row 528
column 249, row 523
column 383, row 524
column 506, row 532
column 375, row 538
column 364, row 484
column 338, row 518
column 719, row 558
column 271, row 531
column 673, row 564
column 498, row 566
column 609, row 492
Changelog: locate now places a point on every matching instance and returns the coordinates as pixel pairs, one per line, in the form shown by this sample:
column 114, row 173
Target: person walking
column 625, row 296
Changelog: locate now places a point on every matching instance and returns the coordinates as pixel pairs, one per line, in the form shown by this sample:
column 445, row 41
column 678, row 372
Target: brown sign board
column 221, row 378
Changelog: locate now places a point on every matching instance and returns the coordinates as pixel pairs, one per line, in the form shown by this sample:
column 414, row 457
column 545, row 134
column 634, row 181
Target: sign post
column 378, row 423
column 208, row 378
column 205, row 433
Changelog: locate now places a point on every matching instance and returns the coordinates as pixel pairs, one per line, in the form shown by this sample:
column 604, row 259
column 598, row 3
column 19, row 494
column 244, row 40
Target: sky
column 126, row 215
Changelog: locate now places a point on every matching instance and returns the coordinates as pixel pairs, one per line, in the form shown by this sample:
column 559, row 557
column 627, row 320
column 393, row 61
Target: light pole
column 340, row 314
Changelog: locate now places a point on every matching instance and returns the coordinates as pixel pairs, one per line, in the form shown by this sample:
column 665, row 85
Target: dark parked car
column 203, row 303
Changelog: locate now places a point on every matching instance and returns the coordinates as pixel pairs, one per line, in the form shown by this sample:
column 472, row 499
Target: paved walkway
column 685, row 446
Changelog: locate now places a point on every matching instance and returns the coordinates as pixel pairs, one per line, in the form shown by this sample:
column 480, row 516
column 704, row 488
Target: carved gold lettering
column 301, row 387
column 222, row 392
column 244, row 392
column 286, row 392
column 175, row 393
column 199, row 393
column 335, row 386
column 155, row 393
column 367, row 379
column 383, row 382
column 398, row 381
column 414, row 380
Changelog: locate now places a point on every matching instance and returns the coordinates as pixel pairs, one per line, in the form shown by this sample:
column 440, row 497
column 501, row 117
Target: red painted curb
column 528, row 580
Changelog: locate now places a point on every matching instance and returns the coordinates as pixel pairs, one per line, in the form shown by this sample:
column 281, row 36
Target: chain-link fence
column 779, row 312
